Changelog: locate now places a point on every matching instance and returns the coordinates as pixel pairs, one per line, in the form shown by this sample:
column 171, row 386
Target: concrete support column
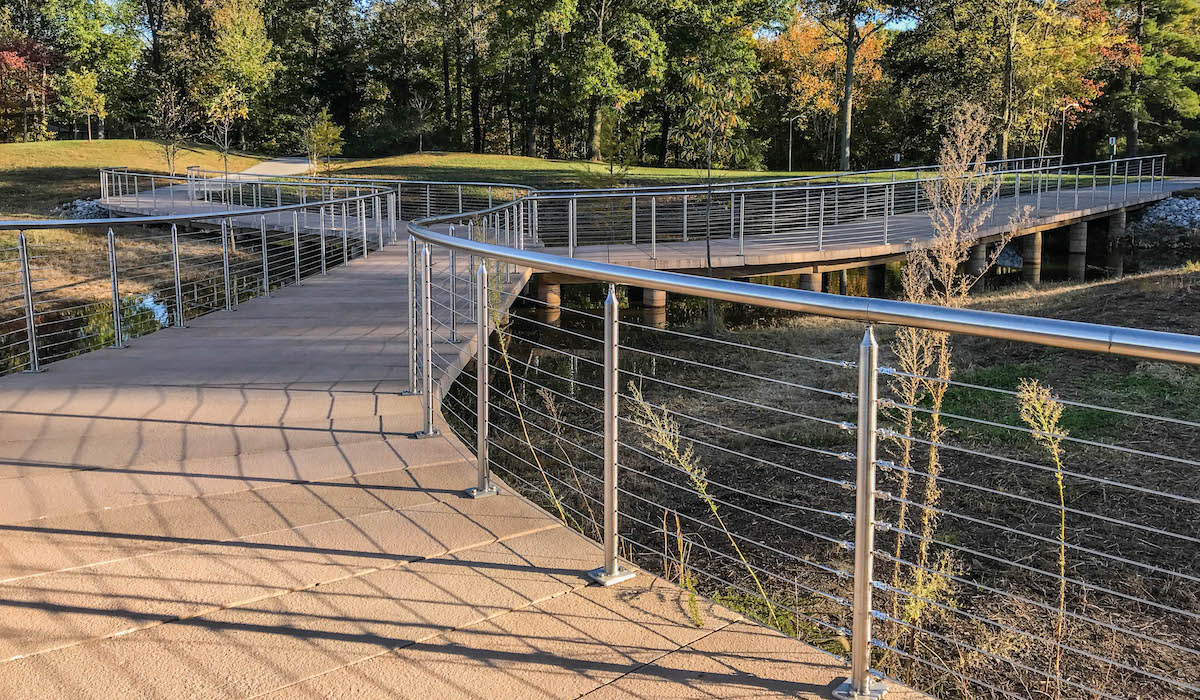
column 1077, row 251
column 842, row 281
column 1115, row 260
column 654, row 298
column 810, row 281
column 875, row 278
column 550, row 294
column 550, row 311
column 1031, row 251
column 977, row 264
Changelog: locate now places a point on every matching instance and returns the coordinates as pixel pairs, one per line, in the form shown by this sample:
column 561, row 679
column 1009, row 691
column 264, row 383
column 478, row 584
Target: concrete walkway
column 235, row 509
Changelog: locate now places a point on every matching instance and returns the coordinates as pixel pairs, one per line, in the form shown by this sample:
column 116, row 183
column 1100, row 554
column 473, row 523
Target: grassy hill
column 36, row 177
column 539, row 172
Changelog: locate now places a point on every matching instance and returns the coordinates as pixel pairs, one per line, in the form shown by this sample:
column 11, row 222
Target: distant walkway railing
column 75, row 285
column 963, row 533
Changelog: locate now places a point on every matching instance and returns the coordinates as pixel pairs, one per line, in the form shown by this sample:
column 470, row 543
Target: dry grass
column 792, row 550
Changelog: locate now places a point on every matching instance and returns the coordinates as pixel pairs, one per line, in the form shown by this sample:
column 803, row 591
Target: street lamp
column 790, row 123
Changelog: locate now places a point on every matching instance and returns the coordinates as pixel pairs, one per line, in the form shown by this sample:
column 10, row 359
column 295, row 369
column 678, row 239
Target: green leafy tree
column 322, row 141
column 80, row 95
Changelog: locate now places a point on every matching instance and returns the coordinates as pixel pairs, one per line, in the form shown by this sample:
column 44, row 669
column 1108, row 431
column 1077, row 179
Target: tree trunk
column 458, row 90
column 1006, row 110
column 531, row 100
column 89, row 123
column 844, row 118
column 448, row 103
column 664, row 135
column 476, row 122
column 593, row 146
column 1132, row 128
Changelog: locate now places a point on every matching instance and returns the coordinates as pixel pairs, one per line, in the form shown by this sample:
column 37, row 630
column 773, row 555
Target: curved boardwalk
column 235, row 509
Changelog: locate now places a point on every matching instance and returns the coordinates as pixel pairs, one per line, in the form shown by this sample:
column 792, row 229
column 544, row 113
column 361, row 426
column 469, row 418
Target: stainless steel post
column 27, row 293
column 859, row 685
column 821, row 221
column 178, row 281
column 226, row 232
column 324, row 270
column 118, row 334
column 362, row 224
column 296, row 243
column 345, row 234
column 685, row 217
column 886, row 209
column 653, row 228
column 266, row 264
column 413, row 373
column 571, row 228
column 742, row 233
column 453, row 292
column 391, row 207
column 428, row 201
column 611, row 572
column 427, row 342
column 483, row 486
column 772, row 208
column 633, row 219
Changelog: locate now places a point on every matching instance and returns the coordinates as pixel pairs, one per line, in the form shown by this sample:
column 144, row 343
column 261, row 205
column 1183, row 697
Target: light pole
column 790, row 123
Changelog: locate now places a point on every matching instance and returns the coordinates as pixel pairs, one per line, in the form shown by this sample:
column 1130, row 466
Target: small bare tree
column 421, row 108
column 170, row 120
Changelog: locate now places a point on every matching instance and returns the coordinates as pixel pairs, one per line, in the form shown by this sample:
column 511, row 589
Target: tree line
column 835, row 84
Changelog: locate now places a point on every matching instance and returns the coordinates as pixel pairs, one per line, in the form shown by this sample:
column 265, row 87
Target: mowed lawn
column 37, row 177
column 542, row 173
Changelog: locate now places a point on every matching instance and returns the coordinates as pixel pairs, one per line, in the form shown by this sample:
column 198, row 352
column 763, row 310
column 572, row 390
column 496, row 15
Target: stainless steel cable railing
column 800, row 487
column 71, row 286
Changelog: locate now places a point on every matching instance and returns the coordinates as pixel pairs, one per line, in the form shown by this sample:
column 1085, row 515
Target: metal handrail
column 1130, row 342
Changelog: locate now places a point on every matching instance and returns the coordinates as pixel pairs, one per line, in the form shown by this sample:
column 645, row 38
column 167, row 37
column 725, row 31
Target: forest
column 835, row 84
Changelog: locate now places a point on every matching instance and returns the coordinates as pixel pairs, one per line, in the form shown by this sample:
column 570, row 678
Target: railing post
column 391, row 207
column 27, row 293
column 296, row 244
column 772, row 209
column 412, row 315
column 685, row 217
column 633, row 219
column 226, row 232
column 345, row 233
column 460, row 206
column 1058, row 191
column 178, row 280
column 118, row 334
column 483, row 486
column 266, row 264
column 886, row 199
column 654, row 228
column 821, row 221
column 362, row 224
column 378, row 211
column 611, row 572
column 742, row 219
column 453, row 292
column 324, row 270
column 429, row 202
column 859, row 685
column 571, row 227
column 427, row 342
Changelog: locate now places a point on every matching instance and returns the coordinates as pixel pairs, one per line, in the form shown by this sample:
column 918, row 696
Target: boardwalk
column 235, row 509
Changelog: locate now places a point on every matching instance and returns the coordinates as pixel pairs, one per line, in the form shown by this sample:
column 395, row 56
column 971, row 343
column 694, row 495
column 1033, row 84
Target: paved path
column 235, row 509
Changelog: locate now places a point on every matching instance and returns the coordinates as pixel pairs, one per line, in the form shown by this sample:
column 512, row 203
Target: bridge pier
column 1077, row 251
column 810, row 281
column 1031, row 251
column 842, row 281
column 1115, row 261
column 977, row 264
column 654, row 298
column 550, row 310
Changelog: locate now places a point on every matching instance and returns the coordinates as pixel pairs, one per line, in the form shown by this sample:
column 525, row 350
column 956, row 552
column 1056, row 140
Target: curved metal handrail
column 1130, row 342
